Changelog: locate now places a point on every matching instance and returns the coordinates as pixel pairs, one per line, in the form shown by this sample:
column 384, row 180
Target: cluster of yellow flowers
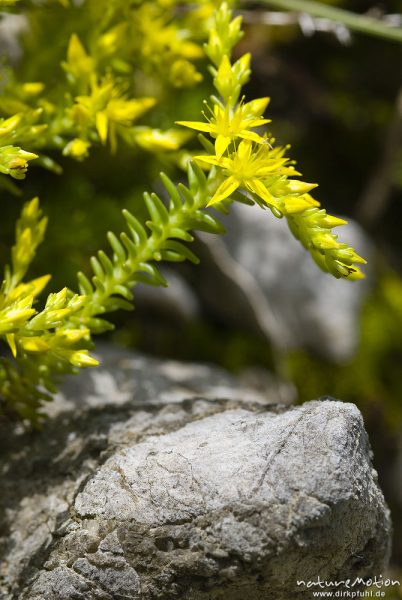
column 242, row 164
column 120, row 50
column 14, row 160
column 24, row 327
column 247, row 160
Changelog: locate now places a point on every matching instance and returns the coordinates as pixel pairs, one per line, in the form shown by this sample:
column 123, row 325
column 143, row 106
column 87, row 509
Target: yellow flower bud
column 78, row 61
column 32, row 88
column 126, row 111
column 34, row 344
column 81, row 358
column 9, row 125
column 57, row 300
column 77, row 149
column 184, row 74
column 71, row 336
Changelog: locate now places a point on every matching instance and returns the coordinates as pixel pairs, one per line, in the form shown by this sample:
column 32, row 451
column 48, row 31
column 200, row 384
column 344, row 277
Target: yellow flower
column 158, row 140
column 32, row 288
column 230, row 123
column 247, row 169
column 14, row 161
column 77, row 148
column 8, row 126
column 34, row 344
column 71, row 336
column 32, row 88
column 123, row 111
column 16, row 315
column 184, row 74
column 107, row 108
column 78, row 63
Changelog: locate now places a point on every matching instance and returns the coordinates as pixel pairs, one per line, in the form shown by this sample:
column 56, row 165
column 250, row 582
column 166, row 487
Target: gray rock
column 177, row 302
column 11, row 28
column 275, row 287
column 155, row 480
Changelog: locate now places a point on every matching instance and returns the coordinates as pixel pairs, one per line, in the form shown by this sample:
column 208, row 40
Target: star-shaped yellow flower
column 229, row 123
column 108, row 108
column 248, row 168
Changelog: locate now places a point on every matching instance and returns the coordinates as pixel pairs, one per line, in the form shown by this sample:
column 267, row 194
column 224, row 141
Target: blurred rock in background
column 294, row 304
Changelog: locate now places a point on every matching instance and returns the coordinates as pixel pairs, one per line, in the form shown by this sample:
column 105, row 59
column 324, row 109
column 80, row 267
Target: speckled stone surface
column 157, row 480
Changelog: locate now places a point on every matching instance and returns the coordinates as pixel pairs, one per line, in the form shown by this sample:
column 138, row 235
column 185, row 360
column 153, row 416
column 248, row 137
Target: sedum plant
column 238, row 161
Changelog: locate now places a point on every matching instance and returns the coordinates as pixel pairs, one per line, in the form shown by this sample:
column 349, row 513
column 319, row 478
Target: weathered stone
column 11, row 27
column 275, row 287
column 177, row 302
column 157, row 480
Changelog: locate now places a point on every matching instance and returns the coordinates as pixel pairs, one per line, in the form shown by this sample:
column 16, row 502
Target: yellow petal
column 252, row 136
column 32, row 288
column 9, row 124
column 11, row 342
column 224, row 190
column 34, row 344
column 125, row 111
column 198, row 125
column 221, row 144
column 77, row 149
column 256, row 186
column 256, row 107
column 102, row 126
column 244, row 151
column 257, row 122
column 33, row 88
column 78, row 61
column 39, row 284
column 75, row 50
column 156, row 139
column 210, row 160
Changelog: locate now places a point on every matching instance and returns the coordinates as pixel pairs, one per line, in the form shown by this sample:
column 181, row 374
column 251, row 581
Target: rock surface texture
column 276, row 288
column 157, row 480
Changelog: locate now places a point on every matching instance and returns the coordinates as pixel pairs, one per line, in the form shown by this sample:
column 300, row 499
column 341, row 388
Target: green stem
column 120, row 277
column 179, row 219
column 361, row 23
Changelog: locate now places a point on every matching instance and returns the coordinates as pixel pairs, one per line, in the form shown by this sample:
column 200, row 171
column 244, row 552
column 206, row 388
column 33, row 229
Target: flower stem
column 362, row 23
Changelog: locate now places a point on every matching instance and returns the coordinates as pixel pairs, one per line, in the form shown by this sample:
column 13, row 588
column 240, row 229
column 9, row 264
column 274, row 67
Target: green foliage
column 115, row 67
column 94, row 106
column 52, row 341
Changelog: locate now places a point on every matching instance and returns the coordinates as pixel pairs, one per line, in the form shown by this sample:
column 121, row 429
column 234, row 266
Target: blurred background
column 257, row 305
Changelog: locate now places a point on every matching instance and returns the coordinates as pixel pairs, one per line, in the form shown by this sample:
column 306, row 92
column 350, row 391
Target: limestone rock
column 275, row 287
column 11, row 27
column 157, row 480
